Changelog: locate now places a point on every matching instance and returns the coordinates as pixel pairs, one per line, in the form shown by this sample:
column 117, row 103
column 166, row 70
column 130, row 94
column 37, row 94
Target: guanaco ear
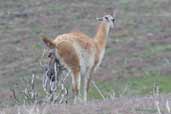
column 99, row 19
column 48, row 42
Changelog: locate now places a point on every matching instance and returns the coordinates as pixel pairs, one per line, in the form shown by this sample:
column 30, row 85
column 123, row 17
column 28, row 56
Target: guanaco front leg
column 87, row 81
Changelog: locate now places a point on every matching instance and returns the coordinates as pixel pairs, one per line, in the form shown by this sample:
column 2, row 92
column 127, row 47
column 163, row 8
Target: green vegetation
column 55, row 7
column 133, row 86
column 153, row 50
column 147, row 110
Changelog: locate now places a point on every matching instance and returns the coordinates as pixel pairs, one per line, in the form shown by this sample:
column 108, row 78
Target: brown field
column 139, row 44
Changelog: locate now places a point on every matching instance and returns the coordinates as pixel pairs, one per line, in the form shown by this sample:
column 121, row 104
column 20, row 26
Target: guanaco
column 81, row 54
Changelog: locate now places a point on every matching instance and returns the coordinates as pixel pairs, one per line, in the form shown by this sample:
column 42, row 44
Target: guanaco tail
column 81, row 54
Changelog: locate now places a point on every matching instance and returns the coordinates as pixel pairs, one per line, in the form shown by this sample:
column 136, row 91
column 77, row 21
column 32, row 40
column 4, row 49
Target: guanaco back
column 81, row 54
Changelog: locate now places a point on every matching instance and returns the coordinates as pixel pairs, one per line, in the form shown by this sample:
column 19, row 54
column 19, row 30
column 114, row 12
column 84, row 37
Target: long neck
column 101, row 35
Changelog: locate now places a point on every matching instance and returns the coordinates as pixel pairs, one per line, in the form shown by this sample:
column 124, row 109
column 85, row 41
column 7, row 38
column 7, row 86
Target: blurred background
column 138, row 53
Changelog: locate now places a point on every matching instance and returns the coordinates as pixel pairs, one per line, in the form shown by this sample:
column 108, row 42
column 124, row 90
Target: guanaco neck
column 101, row 35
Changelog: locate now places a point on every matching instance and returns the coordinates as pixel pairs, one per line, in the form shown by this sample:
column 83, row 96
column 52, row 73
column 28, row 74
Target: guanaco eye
column 106, row 18
column 113, row 20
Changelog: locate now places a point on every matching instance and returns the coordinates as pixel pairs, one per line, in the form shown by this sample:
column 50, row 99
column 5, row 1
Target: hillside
column 137, row 55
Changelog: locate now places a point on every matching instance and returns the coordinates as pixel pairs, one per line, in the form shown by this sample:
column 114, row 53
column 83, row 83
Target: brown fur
column 68, row 47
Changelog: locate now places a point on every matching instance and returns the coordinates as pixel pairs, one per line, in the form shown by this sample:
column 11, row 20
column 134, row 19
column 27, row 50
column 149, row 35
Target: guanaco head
column 108, row 19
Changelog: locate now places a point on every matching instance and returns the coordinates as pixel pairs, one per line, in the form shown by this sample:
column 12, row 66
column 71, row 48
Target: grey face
column 107, row 19
column 52, row 60
column 51, row 72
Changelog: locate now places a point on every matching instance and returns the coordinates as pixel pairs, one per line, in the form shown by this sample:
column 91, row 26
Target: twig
column 43, row 54
column 158, row 107
column 33, row 88
column 124, row 91
column 14, row 94
column 168, row 107
column 93, row 82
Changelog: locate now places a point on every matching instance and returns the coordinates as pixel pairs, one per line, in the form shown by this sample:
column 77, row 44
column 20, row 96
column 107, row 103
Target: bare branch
column 93, row 82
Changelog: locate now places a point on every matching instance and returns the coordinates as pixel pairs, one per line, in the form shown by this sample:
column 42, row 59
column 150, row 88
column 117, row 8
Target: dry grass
column 123, row 105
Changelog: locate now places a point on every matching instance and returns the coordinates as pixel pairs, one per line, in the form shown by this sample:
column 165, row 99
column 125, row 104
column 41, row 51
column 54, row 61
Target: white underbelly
column 100, row 59
column 87, row 59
